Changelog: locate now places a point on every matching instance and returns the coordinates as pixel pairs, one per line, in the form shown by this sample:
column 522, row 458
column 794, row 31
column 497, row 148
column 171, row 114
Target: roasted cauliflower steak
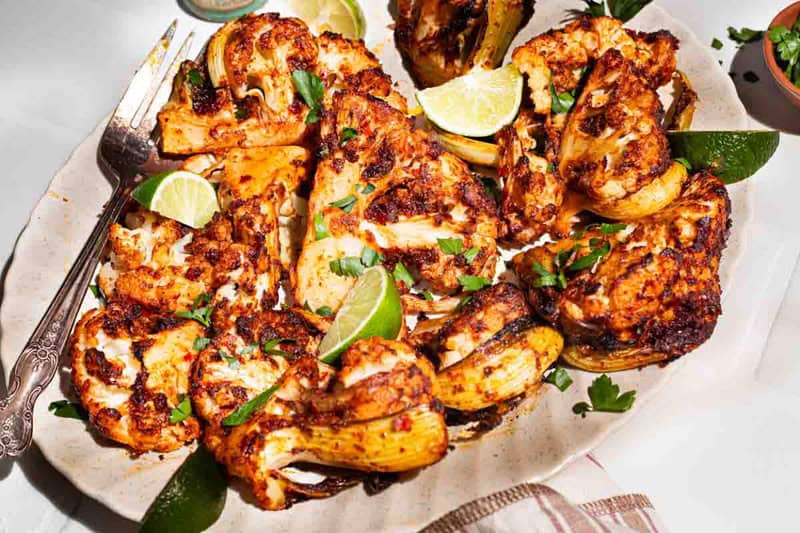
column 638, row 294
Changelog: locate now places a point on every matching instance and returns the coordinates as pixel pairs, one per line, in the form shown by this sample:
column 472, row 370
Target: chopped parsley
column 370, row 257
column 348, row 134
column 473, row 283
column 247, row 350
column 450, row 246
column 590, row 259
column 347, row 267
column 311, row 90
column 471, row 254
column 182, row 411
column 243, row 412
column 233, row 362
column 401, row 274
column 98, row 293
column 716, row 44
column 324, row 311
column 270, row 347
column 560, row 378
column 561, row 103
column 320, row 229
column 604, row 396
column 67, row 409
column 200, row 314
column 346, row 204
column 427, row 295
column 368, row 189
column 621, row 9
column 547, row 278
column 195, row 78
column 608, row 229
column 744, row 35
column 787, row 44
column 200, row 344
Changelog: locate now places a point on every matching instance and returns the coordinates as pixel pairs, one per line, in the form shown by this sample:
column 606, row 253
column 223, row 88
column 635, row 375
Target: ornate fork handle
column 38, row 362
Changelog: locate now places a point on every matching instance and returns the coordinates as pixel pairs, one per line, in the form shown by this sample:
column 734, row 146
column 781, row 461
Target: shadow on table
column 54, row 486
column 763, row 99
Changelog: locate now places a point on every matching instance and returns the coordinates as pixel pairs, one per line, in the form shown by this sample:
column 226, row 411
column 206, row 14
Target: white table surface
column 717, row 450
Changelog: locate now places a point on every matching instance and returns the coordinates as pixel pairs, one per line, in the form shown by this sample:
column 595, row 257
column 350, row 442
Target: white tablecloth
column 717, row 450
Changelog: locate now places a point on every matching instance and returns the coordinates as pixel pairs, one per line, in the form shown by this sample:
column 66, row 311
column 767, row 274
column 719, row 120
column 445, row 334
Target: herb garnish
column 427, row 295
column 200, row 314
column 243, row 412
column 621, row 9
column 311, row 90
column 745, row 35
column 348, row 134
column 347, row 266
column 368, row 189
column 716, row 44
column 560, row 378
column 561, row 103
column 590, row 259
column 98, row 293
column 67, row 409
column 269, row 347
column 471, row 254
column 200, row 344
column 787, row 43
column 605, row 397
column 401, row 273
column 450, row 246
column 320, row 229
column 346, row 204
column 490, row 186
column 195, row 78
column 370, row 257
column 241, row 113
column 547, row 278
column 233, row 362
column 473, row 283
column 182, row 411
column 324, row 311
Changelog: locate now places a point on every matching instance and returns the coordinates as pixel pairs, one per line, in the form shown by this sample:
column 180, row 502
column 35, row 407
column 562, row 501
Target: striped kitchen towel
column 580, row 499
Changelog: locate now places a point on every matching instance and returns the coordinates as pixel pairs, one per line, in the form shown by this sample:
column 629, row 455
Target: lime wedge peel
column 179, row 195
column 372, row 308
column 339, row 16
column 476, row 104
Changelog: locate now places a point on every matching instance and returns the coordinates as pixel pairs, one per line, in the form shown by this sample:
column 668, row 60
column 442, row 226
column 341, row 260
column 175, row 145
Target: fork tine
column 144, row 77
column 158, row 94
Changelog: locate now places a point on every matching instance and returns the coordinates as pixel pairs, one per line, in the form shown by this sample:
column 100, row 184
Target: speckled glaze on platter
column 533, row 445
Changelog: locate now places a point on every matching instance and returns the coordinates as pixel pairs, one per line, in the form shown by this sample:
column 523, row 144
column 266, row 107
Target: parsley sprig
column 200, row 314
column 560, row 378
column 311, row 90
column 605, row 397
column 621, row 9
column 243, row 412
column 354, row 266
column 270, row 347
column 561, row 103
column 67, row 409
column 787, row 44
column 182, row 411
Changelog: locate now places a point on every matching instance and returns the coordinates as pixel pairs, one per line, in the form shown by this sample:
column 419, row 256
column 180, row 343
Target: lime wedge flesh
column 372, row 308
column 339, row 16
column 180, row 195
column 476, row 104
column 730, row 155
column 192, row 500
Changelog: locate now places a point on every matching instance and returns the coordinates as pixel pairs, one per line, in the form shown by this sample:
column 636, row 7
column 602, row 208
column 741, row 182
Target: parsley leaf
column 370, row 257
column 346, row 204
column 471, row 254
column 269, row 347
column 233, row 362
column 464, row 301
column 401, row 274
column 348, row 134
column 608, row 229
column 67, row 409
column 561, row 103
column 625, row 10
column 200, row 314
column 243, row 412
column 324, row 311
column 589, row 260
column 560, row 378
column 473, row 283
column 787, row 43
column 547, row 278
column 182, row 411
column 320, row 229
column 427, row 295
column 347, row 266
column 247, row 350
column 200, row 344
column 450, row 246
column 716, row 44
column 745, row 35
column 98, row 293
column 195, row 78
column 368, row 189
column 312, row 90
column 605, row 397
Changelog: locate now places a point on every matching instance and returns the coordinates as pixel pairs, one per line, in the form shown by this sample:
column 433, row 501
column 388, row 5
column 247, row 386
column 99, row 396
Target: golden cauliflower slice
column 385, row 185
column 637, row 294
column 561, row 56
column 614, row 144
column 131, row 368
column 243, row 95
column 489, row 351
column 378, row 414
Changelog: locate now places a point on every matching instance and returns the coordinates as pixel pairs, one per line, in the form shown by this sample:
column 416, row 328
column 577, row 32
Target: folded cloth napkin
column 579, row 499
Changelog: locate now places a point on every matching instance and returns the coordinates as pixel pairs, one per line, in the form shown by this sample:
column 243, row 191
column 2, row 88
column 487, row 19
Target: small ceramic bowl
column 786, row 18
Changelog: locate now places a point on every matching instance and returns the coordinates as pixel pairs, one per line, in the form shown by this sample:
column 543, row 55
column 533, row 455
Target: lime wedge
column 476, row 104
column 372, row 308
column 180, row 195
column 339, row 16
column 730, row 155
column 192, row 499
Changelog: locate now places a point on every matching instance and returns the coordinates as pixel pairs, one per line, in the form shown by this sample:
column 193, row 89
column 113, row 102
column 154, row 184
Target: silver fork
column 126, row 152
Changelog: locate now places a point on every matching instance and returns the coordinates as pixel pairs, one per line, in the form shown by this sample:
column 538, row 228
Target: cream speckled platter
column 532, row 446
